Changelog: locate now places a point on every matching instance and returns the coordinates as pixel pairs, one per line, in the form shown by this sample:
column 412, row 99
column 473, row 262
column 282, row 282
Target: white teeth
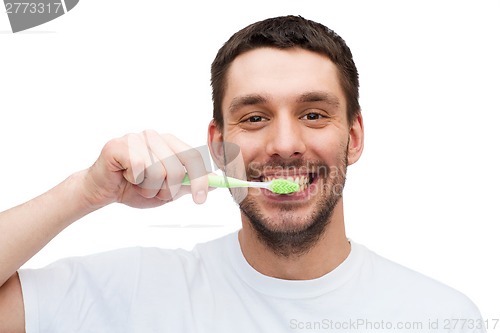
column 303, row 181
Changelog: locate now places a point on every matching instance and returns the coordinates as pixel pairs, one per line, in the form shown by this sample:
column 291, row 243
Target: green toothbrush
column 278, row 186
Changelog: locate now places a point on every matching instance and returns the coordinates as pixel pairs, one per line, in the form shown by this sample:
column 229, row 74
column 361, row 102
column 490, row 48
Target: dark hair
column 287, row 32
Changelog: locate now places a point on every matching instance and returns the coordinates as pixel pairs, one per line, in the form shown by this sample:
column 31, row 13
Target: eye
column 254, row 119
column 253, row 122
column 312, row 116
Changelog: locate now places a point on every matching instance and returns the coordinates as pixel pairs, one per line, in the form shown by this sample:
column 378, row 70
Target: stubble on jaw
column 287, row 238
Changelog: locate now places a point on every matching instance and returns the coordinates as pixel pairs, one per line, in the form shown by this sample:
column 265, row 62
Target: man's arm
column 27, row 228
column 11, row 306
column 24, row 230
column 132, row 170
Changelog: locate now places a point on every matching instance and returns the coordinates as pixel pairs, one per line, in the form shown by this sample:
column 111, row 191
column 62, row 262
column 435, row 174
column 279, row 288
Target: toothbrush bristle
column 283, row 186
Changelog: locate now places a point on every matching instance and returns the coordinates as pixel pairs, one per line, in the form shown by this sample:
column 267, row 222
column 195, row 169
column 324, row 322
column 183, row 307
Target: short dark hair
column 287, row 32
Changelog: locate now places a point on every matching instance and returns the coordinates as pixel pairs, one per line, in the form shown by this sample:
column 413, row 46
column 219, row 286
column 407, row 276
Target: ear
column 356, row 140
column 229, row 158
column 215, row 144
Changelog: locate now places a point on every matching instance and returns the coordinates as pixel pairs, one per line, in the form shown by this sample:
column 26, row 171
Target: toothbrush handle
column 220, row 181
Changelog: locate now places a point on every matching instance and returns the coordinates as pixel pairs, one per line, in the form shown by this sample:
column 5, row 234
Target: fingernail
column 200, row 197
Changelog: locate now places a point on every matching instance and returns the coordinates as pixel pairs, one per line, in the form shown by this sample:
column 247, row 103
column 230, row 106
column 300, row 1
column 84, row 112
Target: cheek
column 252, row 147
column 327, row 147
column 234, row 162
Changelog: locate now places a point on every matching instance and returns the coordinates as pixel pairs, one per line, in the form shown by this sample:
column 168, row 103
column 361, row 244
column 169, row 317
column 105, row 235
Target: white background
column 425, row 193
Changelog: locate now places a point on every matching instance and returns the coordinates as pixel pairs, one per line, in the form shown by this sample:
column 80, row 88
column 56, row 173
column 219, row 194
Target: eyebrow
column 246, row 100
column 308, row 97
column 319, row 96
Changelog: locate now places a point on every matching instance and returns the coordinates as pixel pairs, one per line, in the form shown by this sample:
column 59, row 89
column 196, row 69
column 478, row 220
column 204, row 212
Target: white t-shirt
column 213, row 289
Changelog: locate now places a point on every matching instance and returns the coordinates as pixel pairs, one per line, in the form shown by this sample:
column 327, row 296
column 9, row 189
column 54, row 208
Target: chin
column 287, row 232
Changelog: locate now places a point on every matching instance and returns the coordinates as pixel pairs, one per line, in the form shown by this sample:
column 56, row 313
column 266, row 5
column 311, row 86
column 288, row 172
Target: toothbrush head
column 283, row 186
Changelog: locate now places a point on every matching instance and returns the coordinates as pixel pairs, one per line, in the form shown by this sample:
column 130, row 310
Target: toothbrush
column 278, row 186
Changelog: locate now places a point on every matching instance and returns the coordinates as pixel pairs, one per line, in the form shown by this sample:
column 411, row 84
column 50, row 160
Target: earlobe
column 356, row 140
column 215, row 144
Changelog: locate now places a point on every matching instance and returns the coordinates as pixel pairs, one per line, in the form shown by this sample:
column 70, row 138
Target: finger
column 172, row 171
column 195, row 166
column 133, row 159
column 186, row 189
column 139, row 167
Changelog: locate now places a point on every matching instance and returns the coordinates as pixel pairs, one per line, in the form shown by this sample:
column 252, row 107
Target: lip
column 287, row 175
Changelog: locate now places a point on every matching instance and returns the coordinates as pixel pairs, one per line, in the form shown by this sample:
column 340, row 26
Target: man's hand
column 139, row 170
column 145, row 170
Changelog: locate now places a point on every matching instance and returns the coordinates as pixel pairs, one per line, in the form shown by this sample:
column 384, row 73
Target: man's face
column 286, row 111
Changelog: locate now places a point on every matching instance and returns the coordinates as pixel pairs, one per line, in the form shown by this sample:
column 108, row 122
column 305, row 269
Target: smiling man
column 285, row 92
column 287, row 111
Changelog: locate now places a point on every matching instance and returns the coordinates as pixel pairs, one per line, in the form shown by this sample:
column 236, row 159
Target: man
column 285, row 93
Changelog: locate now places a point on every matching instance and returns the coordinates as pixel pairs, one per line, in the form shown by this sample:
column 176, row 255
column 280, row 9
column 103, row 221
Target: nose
column 285, row 138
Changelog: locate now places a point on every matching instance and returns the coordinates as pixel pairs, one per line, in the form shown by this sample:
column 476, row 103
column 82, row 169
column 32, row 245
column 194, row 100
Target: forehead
column 281, row 74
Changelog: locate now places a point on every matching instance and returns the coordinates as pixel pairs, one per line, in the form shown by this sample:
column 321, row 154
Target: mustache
column 281, row 166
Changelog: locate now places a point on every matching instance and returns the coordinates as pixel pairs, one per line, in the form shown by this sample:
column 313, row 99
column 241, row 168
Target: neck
column 329, row 252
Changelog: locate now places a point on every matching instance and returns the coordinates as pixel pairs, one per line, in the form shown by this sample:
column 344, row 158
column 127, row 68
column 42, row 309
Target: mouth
column 304, row 181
